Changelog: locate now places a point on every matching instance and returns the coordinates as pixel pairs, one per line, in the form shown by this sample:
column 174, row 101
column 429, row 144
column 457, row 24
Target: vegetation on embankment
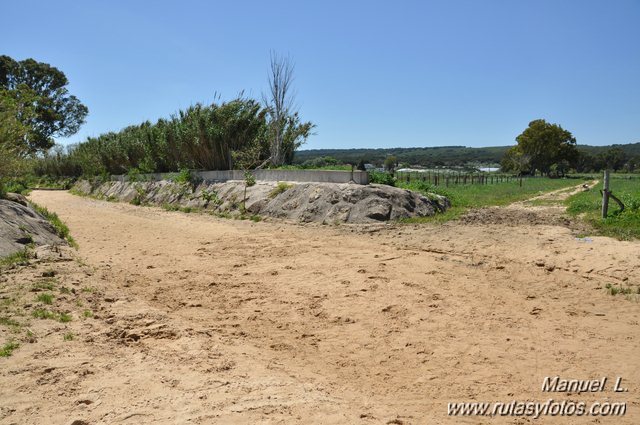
column 622, row 225
column 60, row 227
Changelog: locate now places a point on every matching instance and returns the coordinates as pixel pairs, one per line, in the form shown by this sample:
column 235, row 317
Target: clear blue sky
column 368, row 73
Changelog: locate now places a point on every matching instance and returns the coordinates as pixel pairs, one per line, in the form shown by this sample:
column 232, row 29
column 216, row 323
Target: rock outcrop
column 21, row 225
column 303, row 202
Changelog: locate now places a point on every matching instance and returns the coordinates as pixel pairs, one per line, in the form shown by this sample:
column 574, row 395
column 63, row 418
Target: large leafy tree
column 40, row 101
column 546, row 147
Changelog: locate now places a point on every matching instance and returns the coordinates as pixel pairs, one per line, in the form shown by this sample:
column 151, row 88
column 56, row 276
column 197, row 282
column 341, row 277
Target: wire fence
column 449, row 178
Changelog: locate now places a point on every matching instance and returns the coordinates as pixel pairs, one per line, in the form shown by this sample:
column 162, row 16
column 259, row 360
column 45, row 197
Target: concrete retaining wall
column 320, row 176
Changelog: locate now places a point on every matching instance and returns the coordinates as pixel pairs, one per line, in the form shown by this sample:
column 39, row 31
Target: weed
column 5, row 321
column 615, row 290
column 40, row 313
column 19, row 258
column 382, row 178
column 87, row 313
column 45, row 298
column 255, row 218
column 61, row 229
column 170, row 207
column 184, row 176
column 280, row 188
column 137, row 200
column 7, row 349
column 211, row 197
column 89, row 289
column 134, row 175
column 68, row 336
column 45, row 284
column 65, row 290
column 64, row 317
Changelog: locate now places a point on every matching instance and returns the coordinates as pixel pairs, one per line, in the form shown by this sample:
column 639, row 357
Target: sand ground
column 205, row 320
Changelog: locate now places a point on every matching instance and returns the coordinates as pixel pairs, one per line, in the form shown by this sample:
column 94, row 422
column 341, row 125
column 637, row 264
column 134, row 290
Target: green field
column 464, row 197
column 625, row 225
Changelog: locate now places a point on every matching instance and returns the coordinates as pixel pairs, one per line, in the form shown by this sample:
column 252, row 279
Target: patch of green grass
column 45, row 284
column 6, row 321
column 7, row 349
column 464, row 197
column 615, row 290
column 88, row 289
column 41, row 313
column 280, row 188
column 68, row 336
column 170, row 207
column 621, row 225
column 64, row 317
column 61, row 229
column 19, row 258
column 45, row 298
column 87, row 313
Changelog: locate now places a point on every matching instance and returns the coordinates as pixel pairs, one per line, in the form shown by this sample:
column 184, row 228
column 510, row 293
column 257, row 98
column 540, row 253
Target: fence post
column 605, row 194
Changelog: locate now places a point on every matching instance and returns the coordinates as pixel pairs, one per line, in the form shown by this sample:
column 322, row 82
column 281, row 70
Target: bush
column 382, row 178
column 280, row 188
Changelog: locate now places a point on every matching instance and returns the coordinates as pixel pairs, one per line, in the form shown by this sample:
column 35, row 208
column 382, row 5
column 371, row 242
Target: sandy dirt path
column 209, row 320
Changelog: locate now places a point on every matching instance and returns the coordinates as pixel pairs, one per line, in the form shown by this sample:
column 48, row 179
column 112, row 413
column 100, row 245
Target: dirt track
column 208, row 320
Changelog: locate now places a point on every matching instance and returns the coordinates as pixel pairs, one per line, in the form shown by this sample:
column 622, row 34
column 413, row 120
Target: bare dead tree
column 280, row 102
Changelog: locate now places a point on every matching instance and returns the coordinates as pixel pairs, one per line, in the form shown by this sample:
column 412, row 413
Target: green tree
column 547, row 146
column 42, row 103
column 514, row 161
column 390, row 163
column 614, row 158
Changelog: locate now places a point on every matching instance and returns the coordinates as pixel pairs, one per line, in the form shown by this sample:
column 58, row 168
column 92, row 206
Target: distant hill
column 438, row 155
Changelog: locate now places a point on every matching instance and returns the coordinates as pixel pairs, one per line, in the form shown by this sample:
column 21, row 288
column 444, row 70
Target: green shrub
column 382, row 178
column 280, row 188
column 183, row 177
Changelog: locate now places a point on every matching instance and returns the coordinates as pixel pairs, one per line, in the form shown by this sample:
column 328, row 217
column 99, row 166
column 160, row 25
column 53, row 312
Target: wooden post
column 605, row 194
